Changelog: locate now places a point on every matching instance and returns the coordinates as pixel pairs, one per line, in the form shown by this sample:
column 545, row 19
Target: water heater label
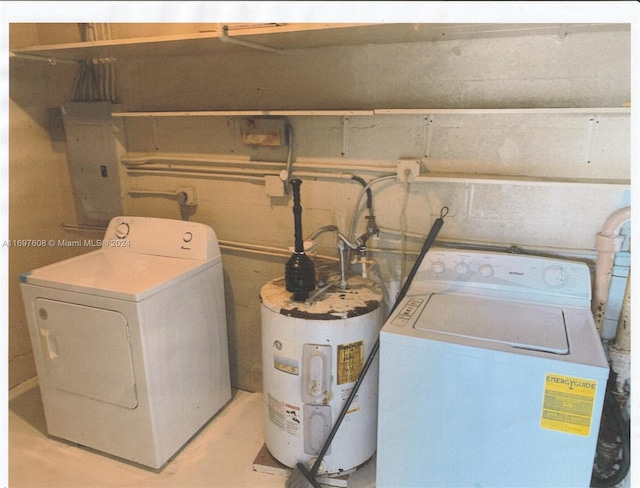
column 350, row 361
column 285, row 356
column 568, row 404
column 287, row 417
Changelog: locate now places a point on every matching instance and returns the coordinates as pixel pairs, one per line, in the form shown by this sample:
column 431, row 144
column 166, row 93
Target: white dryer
column 492, row 374
column 130, row 340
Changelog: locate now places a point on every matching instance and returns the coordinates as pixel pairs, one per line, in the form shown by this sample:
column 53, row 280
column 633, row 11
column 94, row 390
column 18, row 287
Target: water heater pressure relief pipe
column 299, row 272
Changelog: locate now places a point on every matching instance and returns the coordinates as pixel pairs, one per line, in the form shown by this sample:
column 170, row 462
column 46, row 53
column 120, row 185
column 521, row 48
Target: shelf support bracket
column 345, row 136
column 592, row 121
column 156, row 141
column 428, row 133
column 563, row 30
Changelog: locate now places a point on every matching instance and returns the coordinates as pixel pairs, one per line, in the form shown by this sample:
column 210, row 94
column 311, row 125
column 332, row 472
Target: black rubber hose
column 612, row 414
column 364, row 184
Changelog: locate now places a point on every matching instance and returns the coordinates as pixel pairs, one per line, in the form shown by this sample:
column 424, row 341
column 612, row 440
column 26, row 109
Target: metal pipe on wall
column 221, row 176
column 174, row 160
column 620, row 350
column 246, row 174
column 608, row 242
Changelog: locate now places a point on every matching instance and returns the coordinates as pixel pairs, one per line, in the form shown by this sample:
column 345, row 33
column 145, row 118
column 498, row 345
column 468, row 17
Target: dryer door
column 86, row 351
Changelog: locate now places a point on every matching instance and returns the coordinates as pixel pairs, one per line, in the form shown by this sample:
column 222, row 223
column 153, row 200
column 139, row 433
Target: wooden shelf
column 386, row 111
column 245, row 113
column 503, row 111
column 275, row 38
column 270, row 38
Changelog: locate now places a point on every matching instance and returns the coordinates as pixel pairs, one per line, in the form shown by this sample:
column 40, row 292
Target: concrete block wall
column 584, row 70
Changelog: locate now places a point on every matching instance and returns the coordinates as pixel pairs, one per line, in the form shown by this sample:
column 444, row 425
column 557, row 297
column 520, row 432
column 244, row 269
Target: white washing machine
column 130, row 340
column 492, row 373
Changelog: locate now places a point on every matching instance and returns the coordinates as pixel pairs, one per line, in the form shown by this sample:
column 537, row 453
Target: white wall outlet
column 408, row 169
column 187, row 196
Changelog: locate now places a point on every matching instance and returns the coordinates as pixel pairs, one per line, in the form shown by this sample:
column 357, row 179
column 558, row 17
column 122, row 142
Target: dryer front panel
column 86, row 351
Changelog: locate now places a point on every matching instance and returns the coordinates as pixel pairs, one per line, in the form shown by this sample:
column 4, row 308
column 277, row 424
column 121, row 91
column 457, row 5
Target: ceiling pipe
column 33, row 57
column 224, row 37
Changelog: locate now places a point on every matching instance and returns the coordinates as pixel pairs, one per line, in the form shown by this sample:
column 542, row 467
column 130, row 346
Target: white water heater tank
column 312, row 355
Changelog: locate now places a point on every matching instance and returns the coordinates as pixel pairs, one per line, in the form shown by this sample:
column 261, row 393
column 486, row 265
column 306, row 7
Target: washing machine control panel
column 504, row 274
column 408, row 311
column 162, row 237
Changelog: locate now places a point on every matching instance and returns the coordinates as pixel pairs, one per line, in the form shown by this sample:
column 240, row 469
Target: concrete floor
column 220, row 456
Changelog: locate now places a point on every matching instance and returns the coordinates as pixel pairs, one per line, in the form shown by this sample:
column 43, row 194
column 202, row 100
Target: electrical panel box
column 92, row 150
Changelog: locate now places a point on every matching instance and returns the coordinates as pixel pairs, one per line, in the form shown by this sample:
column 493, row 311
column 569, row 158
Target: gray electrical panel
column 92, row 149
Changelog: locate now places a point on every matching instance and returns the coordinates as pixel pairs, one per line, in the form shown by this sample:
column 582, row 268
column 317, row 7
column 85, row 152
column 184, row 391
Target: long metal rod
column 437, row 225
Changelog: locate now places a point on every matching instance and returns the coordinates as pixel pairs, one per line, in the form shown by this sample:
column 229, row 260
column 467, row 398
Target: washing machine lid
column 520, row 325
column 113, row 274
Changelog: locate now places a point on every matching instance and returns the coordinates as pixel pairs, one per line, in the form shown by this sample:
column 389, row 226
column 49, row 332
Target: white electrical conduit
column 156, row 159
column 356, row 208
column 285, row 174
column 203, row 170
column 246, row 175
column 608, row 242
column 153, row 193
column 219, row 176
column 179, row 160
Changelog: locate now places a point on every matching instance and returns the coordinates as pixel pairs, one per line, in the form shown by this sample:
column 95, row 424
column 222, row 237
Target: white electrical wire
column 356, row 209
column 96, row 76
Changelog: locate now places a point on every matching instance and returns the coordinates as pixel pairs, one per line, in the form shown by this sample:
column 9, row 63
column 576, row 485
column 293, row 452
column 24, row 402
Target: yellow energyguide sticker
column 568, row 404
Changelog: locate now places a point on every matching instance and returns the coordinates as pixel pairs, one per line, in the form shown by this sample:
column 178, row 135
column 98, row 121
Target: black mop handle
column 437, row 225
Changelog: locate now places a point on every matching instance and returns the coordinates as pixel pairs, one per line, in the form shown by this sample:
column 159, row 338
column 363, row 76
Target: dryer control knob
column 122, row 230
column 486, row 270
column 438, row 267
column 462, row 268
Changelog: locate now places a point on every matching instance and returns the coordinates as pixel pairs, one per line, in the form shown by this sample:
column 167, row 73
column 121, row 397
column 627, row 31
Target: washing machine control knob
column 462, row 268
column 486, row 270
column 438, row 267
column 122, row 230
column 555, row 276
